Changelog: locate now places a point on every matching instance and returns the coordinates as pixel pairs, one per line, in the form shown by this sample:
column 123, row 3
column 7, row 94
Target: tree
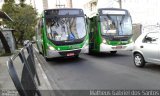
column 2, row 38
column 24, row 17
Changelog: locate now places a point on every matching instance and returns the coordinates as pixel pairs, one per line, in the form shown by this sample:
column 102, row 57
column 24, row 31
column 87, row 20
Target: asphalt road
column 101, row 71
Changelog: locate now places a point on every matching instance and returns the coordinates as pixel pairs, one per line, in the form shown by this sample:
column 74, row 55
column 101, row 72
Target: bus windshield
column 65, row 28
column 119, row 25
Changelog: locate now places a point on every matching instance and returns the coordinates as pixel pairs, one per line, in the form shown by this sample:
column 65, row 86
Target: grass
column 20, row 46
column 2, row 53
column 5, row 54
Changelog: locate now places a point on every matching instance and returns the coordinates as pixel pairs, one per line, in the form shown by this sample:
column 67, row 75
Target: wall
column 9, row 37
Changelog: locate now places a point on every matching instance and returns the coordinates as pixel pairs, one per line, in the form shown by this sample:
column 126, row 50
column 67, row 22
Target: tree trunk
column 21, row 37
column 4, row 43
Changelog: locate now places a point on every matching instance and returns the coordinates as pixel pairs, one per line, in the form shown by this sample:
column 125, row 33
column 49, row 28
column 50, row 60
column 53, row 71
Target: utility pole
column 34, row 4
column 45, row 4
column 69, row 3
column 59, row 5
column 120, row 4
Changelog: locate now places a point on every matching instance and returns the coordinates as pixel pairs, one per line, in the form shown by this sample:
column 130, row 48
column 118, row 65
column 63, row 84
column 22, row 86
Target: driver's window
column 151, row 38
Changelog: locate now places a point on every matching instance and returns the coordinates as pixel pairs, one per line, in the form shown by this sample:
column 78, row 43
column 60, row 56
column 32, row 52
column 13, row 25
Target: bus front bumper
column 55, row 53
column 107, row 48
column 85, row 49
column 52, row 54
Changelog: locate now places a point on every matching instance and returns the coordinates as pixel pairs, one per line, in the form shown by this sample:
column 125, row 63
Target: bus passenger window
column 55, row 28
column 48, row 30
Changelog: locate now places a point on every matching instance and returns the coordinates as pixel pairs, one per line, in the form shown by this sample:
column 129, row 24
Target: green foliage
column 24, row 19
column 22, row 1
column 9, row 1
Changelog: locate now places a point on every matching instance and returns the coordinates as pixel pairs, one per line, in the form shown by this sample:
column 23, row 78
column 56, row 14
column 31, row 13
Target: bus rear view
column 63, row 33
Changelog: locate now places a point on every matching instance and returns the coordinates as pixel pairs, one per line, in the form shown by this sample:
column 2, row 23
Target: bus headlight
column 51, row 47
column 85, row 44
column 131, row 40
column 85, row 48
column 104, row 41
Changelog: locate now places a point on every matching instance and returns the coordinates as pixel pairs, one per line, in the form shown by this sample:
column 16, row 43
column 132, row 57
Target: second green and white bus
column 62, row 33
column 110, row 31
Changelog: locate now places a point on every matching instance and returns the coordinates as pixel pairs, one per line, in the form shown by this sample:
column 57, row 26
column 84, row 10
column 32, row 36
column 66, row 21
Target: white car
column 147, row 49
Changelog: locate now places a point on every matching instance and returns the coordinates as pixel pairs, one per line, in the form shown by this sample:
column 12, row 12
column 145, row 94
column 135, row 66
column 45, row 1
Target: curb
column 49, row 87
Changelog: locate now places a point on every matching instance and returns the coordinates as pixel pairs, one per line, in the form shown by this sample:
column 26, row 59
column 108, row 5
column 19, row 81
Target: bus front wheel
column 76, row 56
column 113, row 52
column 48, row 59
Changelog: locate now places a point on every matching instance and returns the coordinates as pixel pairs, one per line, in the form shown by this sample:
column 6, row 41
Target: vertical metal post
column 69, row 3
column 45, row 4
column 120, row 4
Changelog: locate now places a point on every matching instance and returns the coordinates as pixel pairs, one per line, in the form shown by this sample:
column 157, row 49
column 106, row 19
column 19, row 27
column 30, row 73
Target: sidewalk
column 6, row 82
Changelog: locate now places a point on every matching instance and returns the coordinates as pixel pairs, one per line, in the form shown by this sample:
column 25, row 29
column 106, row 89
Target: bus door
column 93, row 32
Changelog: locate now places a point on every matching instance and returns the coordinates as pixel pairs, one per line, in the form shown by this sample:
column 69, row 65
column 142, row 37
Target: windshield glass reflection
column 116, row 25
column 65, row 28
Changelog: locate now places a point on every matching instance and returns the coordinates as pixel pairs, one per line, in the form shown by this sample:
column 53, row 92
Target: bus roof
column 64, row 12
column 112, row 9
column 103, row 11
column 63, row 9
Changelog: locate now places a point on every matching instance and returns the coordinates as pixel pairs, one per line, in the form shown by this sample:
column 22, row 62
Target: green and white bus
column 110, row 30
column 62, row 32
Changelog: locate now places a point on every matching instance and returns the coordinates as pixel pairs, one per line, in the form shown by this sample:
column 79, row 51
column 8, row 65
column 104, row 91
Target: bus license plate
column 118, row 47
column 70, row 54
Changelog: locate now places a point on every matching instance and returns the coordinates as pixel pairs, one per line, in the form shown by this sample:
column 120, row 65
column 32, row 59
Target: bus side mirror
column 86, row 18
column 91, row 19
column 87, row 21
column 41, row 23
column 98, row 20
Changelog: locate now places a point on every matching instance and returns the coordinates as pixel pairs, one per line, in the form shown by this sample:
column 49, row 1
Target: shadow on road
column 104, row 55
column 70, row 60
column 152, row 67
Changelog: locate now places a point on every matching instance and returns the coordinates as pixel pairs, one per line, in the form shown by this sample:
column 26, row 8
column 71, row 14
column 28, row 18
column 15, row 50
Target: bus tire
column 40, row 52
column 91, row 52
column 43, row 52
column 48, row 59
column 113, row 52
column 76, row 56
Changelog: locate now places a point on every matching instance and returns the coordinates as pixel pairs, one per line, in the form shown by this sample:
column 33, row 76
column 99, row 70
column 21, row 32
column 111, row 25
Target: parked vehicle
column 147, row 49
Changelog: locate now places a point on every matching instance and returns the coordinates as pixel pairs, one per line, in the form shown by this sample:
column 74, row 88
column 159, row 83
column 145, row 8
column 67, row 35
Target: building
column 45, row 4
column 91, row 6
column 142, row 11
column 69, row 4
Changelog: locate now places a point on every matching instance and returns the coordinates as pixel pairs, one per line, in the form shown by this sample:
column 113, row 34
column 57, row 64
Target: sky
column 51, row 4
column 145, row 12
